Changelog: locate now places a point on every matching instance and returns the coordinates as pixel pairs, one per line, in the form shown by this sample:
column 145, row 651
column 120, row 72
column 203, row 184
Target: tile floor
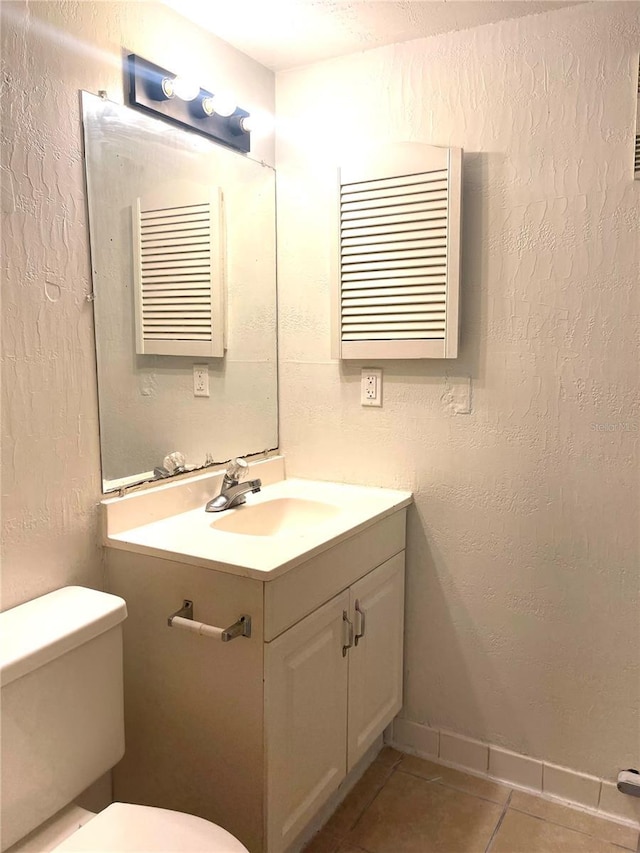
column 404, row 804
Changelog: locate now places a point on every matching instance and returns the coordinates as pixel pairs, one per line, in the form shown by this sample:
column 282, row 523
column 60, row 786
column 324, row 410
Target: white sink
column 286, row 523
column 276, row 517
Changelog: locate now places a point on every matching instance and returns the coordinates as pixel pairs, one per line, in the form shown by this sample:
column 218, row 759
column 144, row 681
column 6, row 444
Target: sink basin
column 287, row 523
column 276, row 517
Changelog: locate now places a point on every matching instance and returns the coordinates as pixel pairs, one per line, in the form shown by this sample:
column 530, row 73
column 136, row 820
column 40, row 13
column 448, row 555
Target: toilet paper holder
column 183, row 618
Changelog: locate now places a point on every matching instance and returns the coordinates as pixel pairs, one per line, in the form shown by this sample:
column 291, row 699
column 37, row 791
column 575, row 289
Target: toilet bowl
column 63, row 728
column 127, row 828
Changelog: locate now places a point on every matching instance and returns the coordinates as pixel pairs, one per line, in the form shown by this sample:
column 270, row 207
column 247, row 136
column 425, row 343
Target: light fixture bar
column 147, row 93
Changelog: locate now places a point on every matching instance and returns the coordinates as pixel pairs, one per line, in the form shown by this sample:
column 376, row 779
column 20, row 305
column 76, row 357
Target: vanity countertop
column 288, row 531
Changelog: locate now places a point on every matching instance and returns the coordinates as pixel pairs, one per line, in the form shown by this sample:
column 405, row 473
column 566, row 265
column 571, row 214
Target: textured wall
column 51, row 470
column 522, row 588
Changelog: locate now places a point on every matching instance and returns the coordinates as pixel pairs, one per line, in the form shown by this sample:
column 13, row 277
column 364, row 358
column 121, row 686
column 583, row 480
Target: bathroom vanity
column 257, row 733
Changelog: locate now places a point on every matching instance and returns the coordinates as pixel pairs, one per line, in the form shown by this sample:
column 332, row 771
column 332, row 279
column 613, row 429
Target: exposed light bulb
column 207, row 106
column 185, row 89
column 224, row 104
column 260, row 123
column 167, row 87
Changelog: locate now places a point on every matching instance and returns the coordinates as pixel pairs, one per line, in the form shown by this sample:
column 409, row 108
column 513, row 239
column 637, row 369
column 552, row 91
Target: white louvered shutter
column 399, row 254
column 178, row 270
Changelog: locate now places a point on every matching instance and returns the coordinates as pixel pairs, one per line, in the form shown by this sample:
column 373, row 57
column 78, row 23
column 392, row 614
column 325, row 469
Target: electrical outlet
column 200, row 380
column 371, row 386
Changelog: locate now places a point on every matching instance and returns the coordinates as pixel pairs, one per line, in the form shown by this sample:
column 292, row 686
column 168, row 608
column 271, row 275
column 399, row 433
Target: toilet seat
column 127, row 828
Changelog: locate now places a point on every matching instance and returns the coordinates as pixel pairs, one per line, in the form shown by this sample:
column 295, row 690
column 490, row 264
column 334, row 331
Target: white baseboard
column 558, row 784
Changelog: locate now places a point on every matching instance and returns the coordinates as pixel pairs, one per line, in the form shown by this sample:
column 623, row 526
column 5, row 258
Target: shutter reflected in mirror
column 399, row 254
column 179, row 271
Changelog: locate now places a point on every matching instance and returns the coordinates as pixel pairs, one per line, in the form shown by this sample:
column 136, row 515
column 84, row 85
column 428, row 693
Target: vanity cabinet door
column 376, row 659
column 306, row 679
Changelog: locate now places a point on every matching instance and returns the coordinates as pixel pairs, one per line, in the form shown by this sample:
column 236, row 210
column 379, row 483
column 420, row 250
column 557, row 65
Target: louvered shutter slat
column 377, row 247
column 399, row 255
column 372, row 285
column 426, row 218
column 371, row 315
column 397, row 212
column 190, row 211
column 384, row 202
column 404, row 193
column 387, row 276
column 163, row 224
column 169, row 290
column 163, row 243
column 176, row 340
column 153, row 265
column 179, row 272
column 195, row 297
column 399, row 231
column 177, row 253
column 363, row 337
column 401, row 294
column 395, row 181
column 388, row 297
column 399, row 327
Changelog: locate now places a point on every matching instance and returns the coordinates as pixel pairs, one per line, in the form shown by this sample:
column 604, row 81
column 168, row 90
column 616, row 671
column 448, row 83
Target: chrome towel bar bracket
column 183, row 618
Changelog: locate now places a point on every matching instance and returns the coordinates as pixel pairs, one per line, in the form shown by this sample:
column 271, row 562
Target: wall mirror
column 148, row 403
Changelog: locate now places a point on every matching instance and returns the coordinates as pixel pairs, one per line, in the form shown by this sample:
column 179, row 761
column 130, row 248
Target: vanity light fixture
column 156, row 90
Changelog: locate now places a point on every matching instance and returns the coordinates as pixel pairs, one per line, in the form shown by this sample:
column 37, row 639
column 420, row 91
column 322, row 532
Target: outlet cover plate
column 371, row 386
column 200, row 380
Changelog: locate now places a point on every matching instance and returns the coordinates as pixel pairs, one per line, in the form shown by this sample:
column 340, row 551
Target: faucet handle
column 237, row 469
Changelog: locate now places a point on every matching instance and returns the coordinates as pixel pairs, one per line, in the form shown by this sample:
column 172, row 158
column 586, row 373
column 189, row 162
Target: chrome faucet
column 233, row 492
column 234, row 496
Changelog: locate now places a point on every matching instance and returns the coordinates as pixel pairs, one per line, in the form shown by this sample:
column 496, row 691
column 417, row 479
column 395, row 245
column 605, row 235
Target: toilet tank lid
column 34, row 633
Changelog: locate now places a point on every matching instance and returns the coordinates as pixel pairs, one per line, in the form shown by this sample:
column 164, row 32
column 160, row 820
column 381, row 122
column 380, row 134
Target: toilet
column 63, row 728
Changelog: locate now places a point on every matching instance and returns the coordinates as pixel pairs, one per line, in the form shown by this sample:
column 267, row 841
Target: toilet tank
column 62, row 724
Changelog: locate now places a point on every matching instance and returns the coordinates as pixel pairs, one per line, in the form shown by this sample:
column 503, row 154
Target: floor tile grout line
column 576, row 829
column 440, row 780
column 341, row 838
column 420, row 776
column 496, row 828
column 369, row 803
column 397, row 766
column 372, row 801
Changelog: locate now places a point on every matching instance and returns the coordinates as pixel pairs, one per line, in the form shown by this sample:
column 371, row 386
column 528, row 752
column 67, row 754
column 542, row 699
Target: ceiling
column 286, row 33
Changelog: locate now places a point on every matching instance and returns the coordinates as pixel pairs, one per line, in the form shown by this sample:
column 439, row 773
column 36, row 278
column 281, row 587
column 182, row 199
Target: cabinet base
column 334, row 801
